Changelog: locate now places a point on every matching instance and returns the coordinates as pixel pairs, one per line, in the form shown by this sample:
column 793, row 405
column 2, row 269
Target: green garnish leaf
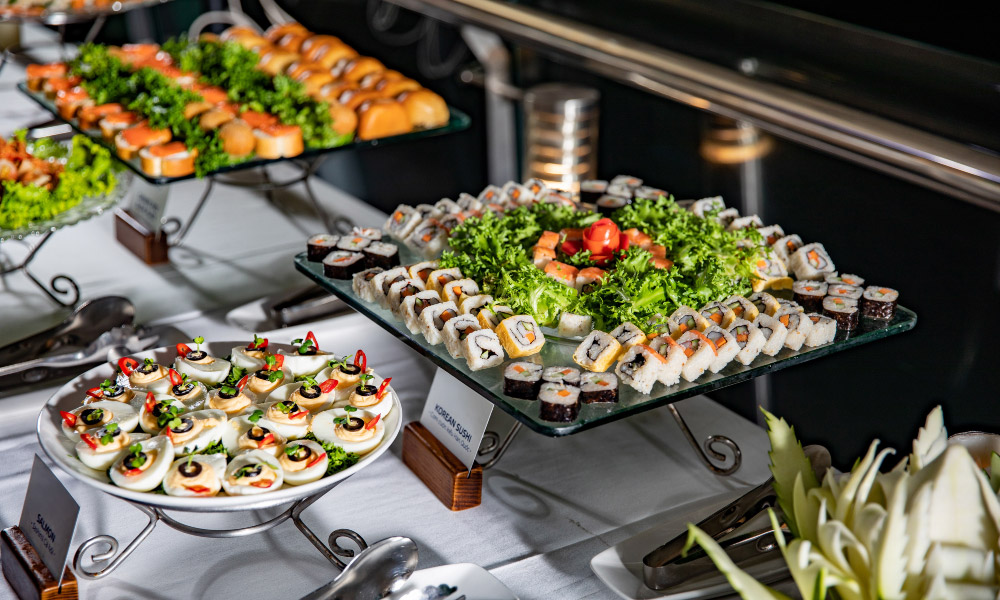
column 255, row 416
column 337, row 458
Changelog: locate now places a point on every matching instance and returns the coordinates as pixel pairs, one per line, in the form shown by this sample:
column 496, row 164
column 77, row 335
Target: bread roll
column 332, row 91
column 297, row 68
column 276, row 32
column 370, row 80
column 313, row 81
column 292, row 41
column 278, row 141
column 390, row 88
column 237, row 138
column 352, row 99
column 355, row 69
column 276, row 60
column 235, row 32
column 425, row 108
column 331, row 55
column 89, row 116
column 315, row 45
column 382, row 118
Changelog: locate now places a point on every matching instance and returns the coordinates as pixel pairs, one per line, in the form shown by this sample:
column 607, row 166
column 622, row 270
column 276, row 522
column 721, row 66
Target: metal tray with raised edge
column 559, row 352
column 457, row 121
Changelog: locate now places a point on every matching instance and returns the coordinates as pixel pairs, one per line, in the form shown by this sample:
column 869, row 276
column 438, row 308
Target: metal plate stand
column 59, row 286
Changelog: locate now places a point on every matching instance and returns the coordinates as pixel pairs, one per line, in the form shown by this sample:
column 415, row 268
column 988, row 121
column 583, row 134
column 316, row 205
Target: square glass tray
column 457, row 121
column 559, row 352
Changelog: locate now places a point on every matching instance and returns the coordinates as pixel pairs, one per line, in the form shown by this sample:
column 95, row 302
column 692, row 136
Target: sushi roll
column 771, row 234
column 567, row 375
column 399, row 292
column 490, row 194
column 798, row 326
column 742, row 308
column 640, row 367
column 414, row 305
column 448, row 206
column 812, row 262
column 303, row 461
column 843, row 310
column 608, row 204
column 727, row 216
column 362, row 283
column 845, row 290
column 747, row 222
column 381, row 254
column 628, row 335
column 686, row 319
column 809, row 294
column 371, row 233
column 402, row 222
column 90, row 417
column 433, row 318
column 618, row 190
column 849, row 279
column 592, row 189
column 515, row 194
column 597, row 351
column 784, row 304
column 143, row 465
column 673, row 353
column 651, row 193
column 452, row 220
column 456, row 330
column 437, row 279
column 701, row 353
column 536, row 188
column 879, row 302
column 422, row 270
column 627, row 181
column 382, row 283
column 718, row 313
column 541, row 257
column 726, row 347
column 468, row 202
column 491, row 316
column 194, row 431
column 785, row 247
column 558, row 403
column 574, row 325
column 774, row 333
column 482, row 349
column 824, row 330
column 372, row 398
column 429, row 211
column 771, row 274
column 458, row 289
column 522, row 379
column 588, row 278
column 320, row 245
column 749, row 339
column 766, row 303
column 340, row 264
column 471, row 305
column 253, row 472
column 519, row 334
column 428, row 238
column 353, row 243
column 598, row 387
column 195, row 476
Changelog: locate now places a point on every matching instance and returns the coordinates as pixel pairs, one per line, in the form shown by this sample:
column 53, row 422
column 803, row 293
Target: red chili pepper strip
column 175, row 377
column 95, row 392
column 267, row 439
column 371, row 424
column 381, row 388
column 183, row 350
column 127, row 364
column 310, row 336
column 68, row 418
column 130, row 472
column 170, row 434
column 243, row 382
column 150, row 402
column 329, row 385
column 89, row 440
column 318, row 458
column 198, row 489
column 360, row 360
column 261, row 344
column 262, row 484
column 298, row 415
column 279, row 361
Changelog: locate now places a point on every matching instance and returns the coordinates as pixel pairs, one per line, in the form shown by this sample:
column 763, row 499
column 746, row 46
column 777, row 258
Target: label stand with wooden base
column 27, row 574
column 150, row 246
column 440, row 470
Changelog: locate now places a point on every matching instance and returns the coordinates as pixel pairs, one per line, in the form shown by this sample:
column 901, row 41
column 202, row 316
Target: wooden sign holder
column 27, row 574
column 150, row 246
column 440, row 470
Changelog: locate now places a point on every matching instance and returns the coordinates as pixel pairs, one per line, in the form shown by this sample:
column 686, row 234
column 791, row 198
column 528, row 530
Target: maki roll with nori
column 558, row 402
column 567, row 375
column 843, row 310
column 845, row 290
column 879, row 302
column 627, row 181
column 341, row 264
column 592, row 190
column 809, row 294
column 381, row 254
column 598, row 387
column 320, row 245
column 608, row 204
column 651, row 193
column 522, row 379
column 847, row 278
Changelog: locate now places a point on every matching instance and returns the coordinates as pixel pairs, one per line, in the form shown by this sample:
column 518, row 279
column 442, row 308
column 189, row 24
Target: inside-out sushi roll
column 374, row 399
column 567, row 375
column 771, row 234
column 381, row 254
column 845, row 290
column 433, row 318
column 718, row 313
column 879, row 302
column 706, row 205
column 674, row 358
column 91, row 416
column 587, row 279
column 341, row 264
column 640, row 367
column 771, row 274
column 252, row 356
column 490, row 316
column 490, row 194
column 520, row 335
column 741, row 307
column 774, row 333
column 438, row 278
column 253, row 472
column 362, row 283
column 558, row 402
column 598, row 387
column 727, row 216
column 686, row 319
column 320, row 245
column 428, row 238
column 371, row 233
column 785, row 304
column 471, row 305
column 99, row 448
column 824, row 330
column 811, row 262
column 303, row 461
column 382, row 283
column 597, row 351
column 482, row 349
column 748, row 338
column 843, row 310
column 402, row 221
column 422, row 270
column 536, row 187
column 399, row 292
column 199, row 365
column 143, row 465
column 194, row 431
column 514, row 194
column 522, row 379
column 456, row 330
column 798, row 327
column 468, row 202
column 574, row 325
column 726, row 347
column 353, row 430
column 592, row 189
column 747, row 222
column 454, row 291
column 628, row 335
column 766, row 303
column 700, row 351
column 809, row 294
column 414, row 305
column 195, row 476
column 855, row 280
column 429, row 211
column 785, row 247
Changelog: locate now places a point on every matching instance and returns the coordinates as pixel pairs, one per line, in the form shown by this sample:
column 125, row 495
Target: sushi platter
column 65, row 13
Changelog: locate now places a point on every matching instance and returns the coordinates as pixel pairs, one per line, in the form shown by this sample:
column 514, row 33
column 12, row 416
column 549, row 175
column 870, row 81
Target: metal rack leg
column 334, row 552
column 709, row 452
column 334, row 223
column 492, row 444
column 55, row 287
column 179, row 231
column 107, row 561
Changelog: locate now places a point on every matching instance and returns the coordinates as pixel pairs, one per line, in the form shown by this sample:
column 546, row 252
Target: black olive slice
column 187, row 423
column 191, row 469
column 310, row 391
column 366, row 390
column 354, row 424
column 196, row 355
column 91, row 416
column 258, row 433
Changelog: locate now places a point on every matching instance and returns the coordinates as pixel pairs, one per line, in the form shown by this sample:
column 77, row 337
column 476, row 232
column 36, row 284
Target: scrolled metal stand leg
column 709, row 452
column 107, row 561
column 55, row 287
column 95, row 29
column 179, row 231
column 336, row 223
column 334, row 552
column 492, row 444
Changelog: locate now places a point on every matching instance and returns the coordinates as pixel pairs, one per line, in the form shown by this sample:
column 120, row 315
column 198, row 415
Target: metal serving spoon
column 376, row 572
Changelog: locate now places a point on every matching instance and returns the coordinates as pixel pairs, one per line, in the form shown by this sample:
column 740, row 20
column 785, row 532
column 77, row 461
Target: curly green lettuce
column 337, row 458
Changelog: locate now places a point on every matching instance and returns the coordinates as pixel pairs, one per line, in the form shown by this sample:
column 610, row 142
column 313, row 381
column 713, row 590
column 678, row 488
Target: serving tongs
column 665, row 567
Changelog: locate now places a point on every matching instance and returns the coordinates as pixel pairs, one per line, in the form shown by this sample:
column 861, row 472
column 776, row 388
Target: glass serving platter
column 457, row 121
column 559, row 352
column 69, row 16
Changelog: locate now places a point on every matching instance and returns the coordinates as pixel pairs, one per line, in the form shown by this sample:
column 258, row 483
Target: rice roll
column 353, row 243
column 482, row 350
column 774, row 333
column 771, row 234
column 598, row 387
column 320, row 245
column 402, row 221
column 608, row 204
column 433, row 318
column 701, row 353
column 422, row 270
column 785, row 247
column 824, row 330
column 574, row 325
column 592, row 189
column 437, row 279
column 362, row 283
column 456, row 330
column 371, row 233
column 597, row 351
column 471, row 305
column 452, row 220
column 382, row 283
column 567, row 375
column 718, row 313
column 702, row 207
column 491, row 316
column 640, row 367
column 651, row 193
column 399, row 292
column 749, row 339
column 811, row 262
column 468, row 202
column 536, row 187
column 588, row 278
column 429, row 211
column 879, row 302
column 771, row 274
column 490, row 194
column 845, row 290
column 674, row 355
column 843, row 310
column 727, row 216
column 381, row 254
column 766, row 303
column 520, row 335
column 847, row 278
column 742, row 308
column 454, row 291
column 747, row 222
column 558, row 403
column 513, row 193
column 628, row 335
column 522, row 379
column 809, row 294
column 428, row 238
column 628, row 181
column 798, row 326
column 448, row 206
column 341, row 264
column 686, row 319
column 414, row 305
column 726, row 347
column 784, row 304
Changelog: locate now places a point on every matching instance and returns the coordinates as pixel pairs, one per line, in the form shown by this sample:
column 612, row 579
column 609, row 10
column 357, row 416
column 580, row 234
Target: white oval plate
column 60, row 449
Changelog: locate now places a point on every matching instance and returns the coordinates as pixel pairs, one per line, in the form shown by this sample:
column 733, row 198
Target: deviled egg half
column 158, row 410
column 111, row 391
column 303, row 461
column 99, row 448
column 287, row 418
column 143, row 465
column 252, row 356
column 252, row 432
column 195, row 475
column 148, row 375
column 306, row 358
column 265, row 380
column 232, row 400
column 199, row 365
column 374, row 399
column 192, row 393
column 97, row 414
column 253, row 472
column 308, row 394
column 194, row 431
column 352, row 429
column 346, row 373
